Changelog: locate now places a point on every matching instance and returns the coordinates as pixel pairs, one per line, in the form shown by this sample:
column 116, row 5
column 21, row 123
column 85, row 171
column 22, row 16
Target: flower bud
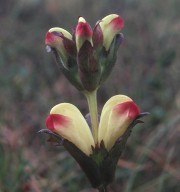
column 117, row 114
column 64, row 49
column 108, row 58
column 83, row 33
column 55, row 39
column 110, row 26
column 67, row 121
column 97, row 36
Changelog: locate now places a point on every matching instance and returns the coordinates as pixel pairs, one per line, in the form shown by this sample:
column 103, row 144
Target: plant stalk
column 92, row 104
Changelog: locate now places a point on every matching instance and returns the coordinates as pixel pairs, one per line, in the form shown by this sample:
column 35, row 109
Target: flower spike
column 87, row 58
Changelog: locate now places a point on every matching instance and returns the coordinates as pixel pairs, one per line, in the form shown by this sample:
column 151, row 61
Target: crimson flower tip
column 48, row 38
column 83, row 28
column 117, row 23
column 49, row 123
column 55, row 119
column 128, row 107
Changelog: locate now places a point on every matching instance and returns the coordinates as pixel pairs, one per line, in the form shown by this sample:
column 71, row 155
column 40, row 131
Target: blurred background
column 147, row 70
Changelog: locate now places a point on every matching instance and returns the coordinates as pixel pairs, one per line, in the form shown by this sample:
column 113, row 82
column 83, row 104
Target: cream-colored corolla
column 66, row 120
column 118, row 113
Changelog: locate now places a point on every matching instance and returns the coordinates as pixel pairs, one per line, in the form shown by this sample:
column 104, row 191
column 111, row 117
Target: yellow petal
column 106, row 112
column 61, row 30
column 117, row 114
column 71, row 125
column 110, row 26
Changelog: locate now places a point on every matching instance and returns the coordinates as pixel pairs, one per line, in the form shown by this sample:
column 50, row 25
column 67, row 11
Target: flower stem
column 92, row 103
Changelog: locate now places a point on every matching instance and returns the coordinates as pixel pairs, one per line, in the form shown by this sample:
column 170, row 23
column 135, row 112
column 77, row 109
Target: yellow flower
column 67, row 121
column 117, row 114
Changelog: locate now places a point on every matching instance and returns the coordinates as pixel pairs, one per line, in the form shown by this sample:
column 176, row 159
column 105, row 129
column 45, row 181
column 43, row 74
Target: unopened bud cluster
column 88, row 55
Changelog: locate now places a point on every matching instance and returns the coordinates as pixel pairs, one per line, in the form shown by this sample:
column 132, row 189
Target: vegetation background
column 147, row 69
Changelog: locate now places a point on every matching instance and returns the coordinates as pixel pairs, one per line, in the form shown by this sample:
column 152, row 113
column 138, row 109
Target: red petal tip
column 56, row 119
column 49, row 38
column 49, row 122
column 83, row 29
column 128, row 107
column 117, row 23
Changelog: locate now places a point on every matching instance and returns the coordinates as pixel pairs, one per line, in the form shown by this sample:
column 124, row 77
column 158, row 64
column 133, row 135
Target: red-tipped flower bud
column 110, row 25
column 83, row 33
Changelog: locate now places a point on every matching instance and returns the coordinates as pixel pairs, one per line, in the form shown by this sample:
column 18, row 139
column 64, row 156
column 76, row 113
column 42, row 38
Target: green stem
column 92, row 103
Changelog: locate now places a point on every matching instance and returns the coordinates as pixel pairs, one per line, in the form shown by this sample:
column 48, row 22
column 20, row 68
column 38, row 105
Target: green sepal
column 108, row 58
column 107, row 161
column 71, row 71
column 87, row 164
column 53, row 137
